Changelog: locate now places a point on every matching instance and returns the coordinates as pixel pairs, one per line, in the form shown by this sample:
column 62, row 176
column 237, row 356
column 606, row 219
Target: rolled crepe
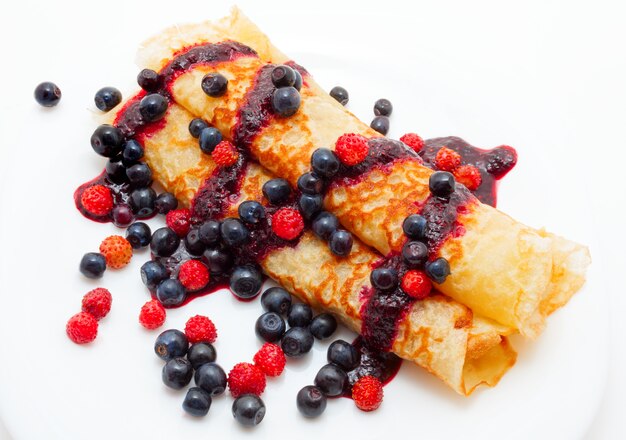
column 500, row 268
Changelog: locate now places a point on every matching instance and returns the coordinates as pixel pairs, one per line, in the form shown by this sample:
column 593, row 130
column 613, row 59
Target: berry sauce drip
column 382, row 365
column 120, row 193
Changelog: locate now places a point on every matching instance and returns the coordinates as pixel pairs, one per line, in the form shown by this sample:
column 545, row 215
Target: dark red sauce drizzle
column 382, row 365
column 119, row 191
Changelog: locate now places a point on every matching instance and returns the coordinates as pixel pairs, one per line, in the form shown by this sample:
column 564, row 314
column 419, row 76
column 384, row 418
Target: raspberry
column 270, row 359
column 117, row 251
column 246, row 378
column 97, row 200
column 447, row 159
column 152, row 315
column 351, row 148
column 200, row 329
column 193, row 275
column 469, row 176
column 416, row 284
column 413, row 141
column 82, row 328
column 225, row 154
column 178, row 220
column 97, row 302
column 367, row 393
column 287, row 223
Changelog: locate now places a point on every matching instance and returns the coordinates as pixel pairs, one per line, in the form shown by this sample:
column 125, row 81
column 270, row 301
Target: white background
column 509, row 71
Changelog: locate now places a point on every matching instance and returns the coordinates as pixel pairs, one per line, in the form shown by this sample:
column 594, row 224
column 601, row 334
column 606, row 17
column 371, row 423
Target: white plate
column 53, row 389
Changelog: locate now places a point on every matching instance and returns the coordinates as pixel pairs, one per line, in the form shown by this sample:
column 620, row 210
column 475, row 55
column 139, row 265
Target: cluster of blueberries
column 382, row 109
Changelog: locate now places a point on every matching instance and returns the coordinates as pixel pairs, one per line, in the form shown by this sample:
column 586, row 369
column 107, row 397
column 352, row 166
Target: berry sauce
column 382, row 365
column 120, row 193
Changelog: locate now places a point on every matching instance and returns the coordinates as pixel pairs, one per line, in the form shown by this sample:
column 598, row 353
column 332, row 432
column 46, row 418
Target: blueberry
column 380, row 124
column 165, row 202
column 310, row 183
column 210, row 232
column 384, row 278
column 233, row 232
column 201, row 353
column 171, row 293
column 149, row 80
column 300, row 315
column 193, row 244
column 217, row 260
column 140, row 175
column 286, row 101
column 245, row 282
column 248, row 410
column 441, row 184
column 340, row 94
column 47, row 94
column 122, row 215
column 383, row 107
column 107, row 97
column 276, row 191
column 142, row 202
column 414, row 253
column 324, row 225
column 438, row 270
column 343, row 354
column 276, row 299
column 164, row 242
column 324, row 162
column 152, row 273
column 311, row 401
column 171, row 344
column 138, row 235
column 214, row 84
column 270, row 327
column 153, row 107
column 209, row 138
column 310, row 205
column 298, row 84
column 414, row 226
column 177, row 373
column 283, row 76
column 323, row 326
column 251, row 212
column 196, row 126
column 211, row 378
column 133, row 151
column 331, row 380
column 116, row 172
column 107, row 140
column 340, row 243
column 296, row 342
column 92, row 265
column 197, row 402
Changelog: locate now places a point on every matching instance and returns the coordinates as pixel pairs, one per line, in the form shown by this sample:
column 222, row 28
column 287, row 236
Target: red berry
column 97, row 200
column 225, row 154
column 82, row 328
column 179, row 221
column 193, row 275
column 97, row 302
column 413, row 141
column 367, row 393
column 416, row 284
column 152, row 315
column 447, row 159
column 469, row 176
column 200, row 329
column 351, row 148
column 270, row 359
column 287, row 223
column 246, row 378
column 117, row 251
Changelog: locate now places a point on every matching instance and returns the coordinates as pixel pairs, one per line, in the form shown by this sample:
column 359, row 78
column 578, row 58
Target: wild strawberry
column 367, row 393
column 416, row 284
column 97, row 200
column 179, row 221
column 200, row 329
column 287, row 223
column 82, row 328
column 351, row 148
column 97, row 302
column 246, row 378
column 152, row 315
column 193, row 275
column 117, row 251
column 447, row 159
column 225, row 154
column 270, row 359
column 469, row 176
column 413, row 141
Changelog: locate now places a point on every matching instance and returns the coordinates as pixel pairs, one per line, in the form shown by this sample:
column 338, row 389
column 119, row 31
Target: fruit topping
column 107, row 97
column 214, row 84
column 196, row 126
column 340, row 94
column 324, row 225
column 416, row 284
column 323, row 326
column 149, row 80
column 153, row 107
column 447, row 159
column 283, row 76
column 82, row 328
column 201, row 353
column 200, row 329
column 47, row 94
column 164, row 242
column 441, row 184
column 138, row 235
column 248, row 410
column 209, row 138
column 233, row 232
column 193, row 275
column 171, row 344
column 225, row 154
column 414, row 226
column 438, row 270
column 287, row 223
column 177, row 373
column 97, row 302
column 245, row 282
column 383, row 107
column 310, row 205
column 340, row 243
column 171, row 293
column 270, row 327
column 122, row 215
column 276, row 191
column 209, row 232
column 246, row 378
column 296, row 342
column 152, row 315
column 179, row 221
column 270, row 359
column 197, row 402
column 142, row 201
column 344, row 355
column 414, row 141
column 286, row 101
column 152, row 273
column 469, row 176
column 139, row 175
column 276, row 299
column 92, row 265
column 367, row 393
column 414, row 253
column 97, row 200
column 310, row 183
column 351, row 149
column 211, row 378
column 251, row 212
column 300, row 315
column 117, row 251
column 165, row 202
column 380, row 124
column 107, row 140
column 331, row 380
column 311, row 401
column 384, row 278
column 324, row 162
